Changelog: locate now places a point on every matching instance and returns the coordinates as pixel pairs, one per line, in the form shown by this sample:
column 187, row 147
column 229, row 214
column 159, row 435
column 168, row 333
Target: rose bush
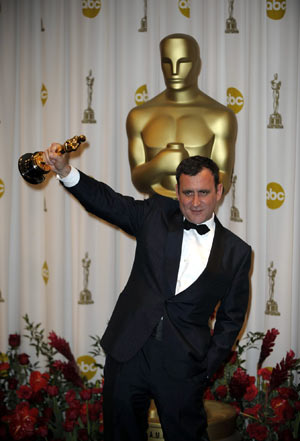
column 54, row 404
column 268, row 405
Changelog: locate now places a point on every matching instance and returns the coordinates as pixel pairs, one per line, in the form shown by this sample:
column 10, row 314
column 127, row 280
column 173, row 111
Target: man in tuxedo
column 158, row 342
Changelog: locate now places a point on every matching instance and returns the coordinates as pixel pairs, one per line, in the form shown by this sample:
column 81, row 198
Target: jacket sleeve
column 230, row 315
column 101, row 200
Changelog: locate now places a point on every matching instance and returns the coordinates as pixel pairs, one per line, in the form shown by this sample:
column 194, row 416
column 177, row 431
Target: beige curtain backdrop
column 47, row 50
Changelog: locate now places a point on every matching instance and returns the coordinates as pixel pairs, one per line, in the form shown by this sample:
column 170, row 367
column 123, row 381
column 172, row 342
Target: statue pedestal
column 220, row 419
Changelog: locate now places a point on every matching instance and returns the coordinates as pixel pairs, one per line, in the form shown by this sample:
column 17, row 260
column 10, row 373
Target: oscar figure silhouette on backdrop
column 181, row 121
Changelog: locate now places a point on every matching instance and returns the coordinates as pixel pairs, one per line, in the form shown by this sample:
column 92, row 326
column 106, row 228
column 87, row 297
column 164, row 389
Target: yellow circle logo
column 275, row 195
column 2, row 188
column 141, row 95
column 184, row 7
column 91, row 8
column 235, row 100
column 276, row 9
column 87, row 366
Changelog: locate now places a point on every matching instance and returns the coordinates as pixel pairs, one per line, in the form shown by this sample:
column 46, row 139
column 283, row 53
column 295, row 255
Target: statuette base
column 88, row 117
column 272, row 308
column 275, row 121
column 231, row 26
column 235, row 215
column 85, row 297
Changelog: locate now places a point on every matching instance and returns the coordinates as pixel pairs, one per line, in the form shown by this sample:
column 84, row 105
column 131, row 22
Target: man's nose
column 196, row 200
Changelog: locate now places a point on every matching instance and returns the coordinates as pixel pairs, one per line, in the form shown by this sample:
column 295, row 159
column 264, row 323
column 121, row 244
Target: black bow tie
column 201, row 229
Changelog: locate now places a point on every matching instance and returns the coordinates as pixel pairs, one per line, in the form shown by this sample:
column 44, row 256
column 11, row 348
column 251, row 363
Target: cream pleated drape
column 61, row 57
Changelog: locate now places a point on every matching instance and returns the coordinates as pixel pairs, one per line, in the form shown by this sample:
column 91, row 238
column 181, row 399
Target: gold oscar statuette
column 275, row 120
column 88, row 114
column 85, row 294
column 234, row 211
column 179, row 122
column 271, row 306
column 143, row 27
column 33, row 167
column 231, row 26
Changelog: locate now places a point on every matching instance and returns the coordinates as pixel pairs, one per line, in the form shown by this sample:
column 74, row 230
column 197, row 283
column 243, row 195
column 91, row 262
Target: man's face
column 198, row 196
column 179, row 63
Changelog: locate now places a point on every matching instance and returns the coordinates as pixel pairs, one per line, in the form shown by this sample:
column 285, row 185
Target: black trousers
column 128, row 389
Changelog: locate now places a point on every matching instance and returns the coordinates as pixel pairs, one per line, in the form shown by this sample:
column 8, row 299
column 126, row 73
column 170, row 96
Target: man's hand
column 58, row 163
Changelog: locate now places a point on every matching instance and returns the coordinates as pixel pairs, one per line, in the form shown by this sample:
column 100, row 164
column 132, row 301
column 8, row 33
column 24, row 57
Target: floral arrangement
column 268, row 405
column 53, row 404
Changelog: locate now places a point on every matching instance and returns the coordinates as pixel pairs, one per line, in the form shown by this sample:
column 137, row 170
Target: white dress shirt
column 195, row 252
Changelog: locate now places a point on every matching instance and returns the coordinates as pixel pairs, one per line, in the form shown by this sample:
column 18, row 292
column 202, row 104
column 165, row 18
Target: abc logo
column 91, row 8
column 141, row 95
column 44, row 94
column 235, row 100
column 87, row 366
column 276, row 9
column 2, row 188
column 184, row 7
column 275, row 195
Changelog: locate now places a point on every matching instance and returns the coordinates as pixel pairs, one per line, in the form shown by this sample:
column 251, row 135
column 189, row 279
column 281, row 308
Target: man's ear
column 220, row 190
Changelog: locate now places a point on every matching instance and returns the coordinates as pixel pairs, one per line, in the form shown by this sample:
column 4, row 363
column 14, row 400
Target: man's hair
column 195, row 164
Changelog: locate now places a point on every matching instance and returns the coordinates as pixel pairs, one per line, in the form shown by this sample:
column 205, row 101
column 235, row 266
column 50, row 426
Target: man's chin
column 196, row 219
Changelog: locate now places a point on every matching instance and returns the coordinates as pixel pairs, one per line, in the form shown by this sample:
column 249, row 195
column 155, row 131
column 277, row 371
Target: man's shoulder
column 230, row 235
column 163, row 202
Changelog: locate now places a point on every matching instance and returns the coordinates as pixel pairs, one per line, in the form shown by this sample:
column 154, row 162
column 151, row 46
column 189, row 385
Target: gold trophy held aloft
column 33, row 167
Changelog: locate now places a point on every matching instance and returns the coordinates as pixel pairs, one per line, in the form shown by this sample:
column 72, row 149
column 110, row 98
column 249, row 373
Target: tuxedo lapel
column 217, row 250
column 173, row 249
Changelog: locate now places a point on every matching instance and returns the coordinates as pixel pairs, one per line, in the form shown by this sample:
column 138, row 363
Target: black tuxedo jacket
column 156, row 223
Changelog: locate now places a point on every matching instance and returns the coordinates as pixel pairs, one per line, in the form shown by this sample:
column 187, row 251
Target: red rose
column 254, row 411
column 52, row 391
column 38, row 381
column 257, row 431
column 12, row 383
column 23, row 359
column 14, row 340
column 22, row 421
column 221, row 391
column 239, row 383
column 70, row 396
column 251, row 392
column 282, row 409
column 265, row 373
column 95, row 409
column 86, row 394
column 24, row 392
column 288, row 393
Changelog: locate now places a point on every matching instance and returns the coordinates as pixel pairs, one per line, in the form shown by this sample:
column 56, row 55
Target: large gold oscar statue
column 181, row 121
